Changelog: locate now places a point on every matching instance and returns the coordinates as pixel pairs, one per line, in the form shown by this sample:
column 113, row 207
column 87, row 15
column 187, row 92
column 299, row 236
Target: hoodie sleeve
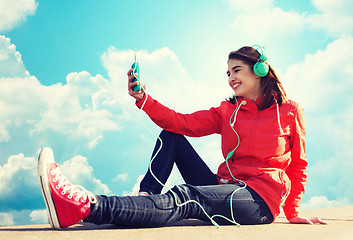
column 197, row 124
column 297, row 170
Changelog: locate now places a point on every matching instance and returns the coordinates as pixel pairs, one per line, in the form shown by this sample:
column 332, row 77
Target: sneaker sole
column 44, row 154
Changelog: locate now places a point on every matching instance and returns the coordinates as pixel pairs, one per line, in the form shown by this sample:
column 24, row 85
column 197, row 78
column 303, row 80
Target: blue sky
column 63, row 80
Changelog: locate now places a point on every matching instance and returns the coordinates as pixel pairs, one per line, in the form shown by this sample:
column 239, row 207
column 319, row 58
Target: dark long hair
column 270, row 84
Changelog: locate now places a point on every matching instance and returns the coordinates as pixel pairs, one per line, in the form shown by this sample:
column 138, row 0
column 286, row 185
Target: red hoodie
column 271, row 154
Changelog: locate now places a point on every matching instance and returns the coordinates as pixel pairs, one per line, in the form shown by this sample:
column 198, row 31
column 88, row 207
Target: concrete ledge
column 339, row 228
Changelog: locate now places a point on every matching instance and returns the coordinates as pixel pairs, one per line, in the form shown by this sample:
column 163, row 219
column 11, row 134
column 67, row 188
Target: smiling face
column 243, row 81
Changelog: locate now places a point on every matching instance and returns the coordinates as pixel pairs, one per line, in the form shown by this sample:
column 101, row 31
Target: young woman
column 262, row 142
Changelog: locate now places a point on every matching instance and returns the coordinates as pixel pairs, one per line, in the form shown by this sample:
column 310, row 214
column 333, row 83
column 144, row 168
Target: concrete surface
column 340, row 227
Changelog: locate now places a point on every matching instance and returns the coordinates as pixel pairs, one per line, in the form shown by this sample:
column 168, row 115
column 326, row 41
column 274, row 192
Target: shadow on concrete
column 90, row 226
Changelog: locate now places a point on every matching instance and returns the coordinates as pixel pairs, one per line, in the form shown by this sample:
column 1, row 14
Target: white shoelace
column 71, row 189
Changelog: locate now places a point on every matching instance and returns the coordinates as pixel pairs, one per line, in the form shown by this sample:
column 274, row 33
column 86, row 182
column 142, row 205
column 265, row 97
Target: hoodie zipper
column 252, row 135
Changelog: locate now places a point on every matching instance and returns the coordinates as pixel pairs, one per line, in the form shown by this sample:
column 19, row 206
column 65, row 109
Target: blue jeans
column 201, row 186
column 176, row 149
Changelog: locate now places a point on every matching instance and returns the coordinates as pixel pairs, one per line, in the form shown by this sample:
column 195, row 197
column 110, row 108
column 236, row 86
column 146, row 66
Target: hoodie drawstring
column 278, row 117
column 236, row 112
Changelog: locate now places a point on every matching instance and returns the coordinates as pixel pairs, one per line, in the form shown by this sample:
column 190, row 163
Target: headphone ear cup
column 261, row 69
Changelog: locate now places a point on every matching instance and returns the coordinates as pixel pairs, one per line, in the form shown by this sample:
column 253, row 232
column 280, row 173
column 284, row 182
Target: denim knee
column 167, row 134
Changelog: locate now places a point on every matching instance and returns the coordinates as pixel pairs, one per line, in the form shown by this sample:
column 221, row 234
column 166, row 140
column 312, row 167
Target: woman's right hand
column 137, row 95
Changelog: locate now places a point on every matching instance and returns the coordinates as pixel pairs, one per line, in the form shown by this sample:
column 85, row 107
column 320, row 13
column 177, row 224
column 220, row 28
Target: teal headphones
column 261, row 68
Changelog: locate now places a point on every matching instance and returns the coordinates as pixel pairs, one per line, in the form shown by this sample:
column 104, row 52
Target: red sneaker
column 66, row 204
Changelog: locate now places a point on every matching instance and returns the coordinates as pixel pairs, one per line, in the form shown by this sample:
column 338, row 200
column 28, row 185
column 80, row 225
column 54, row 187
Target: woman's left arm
column 297, row 172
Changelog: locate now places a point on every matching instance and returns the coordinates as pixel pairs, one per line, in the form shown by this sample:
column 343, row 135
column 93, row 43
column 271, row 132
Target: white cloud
column 209, row 150
column 11, row 64
column 17, row 174
column 251, row 6
column 334, row 17
column 39, row 216
column 324, row 78
column 165, row 78
column 323, row 202
column 14, row 12
column 135, row 189
column 20, row 104
column 4, row 133
column 79, row 172
column 84, row 108
column 262, row 20
column 37, row 109
column 6, row 219
column 19, row 183
column 121, row 177
column 345, row 180
column 75, row 110
column 94, row 142
column 174, row 179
